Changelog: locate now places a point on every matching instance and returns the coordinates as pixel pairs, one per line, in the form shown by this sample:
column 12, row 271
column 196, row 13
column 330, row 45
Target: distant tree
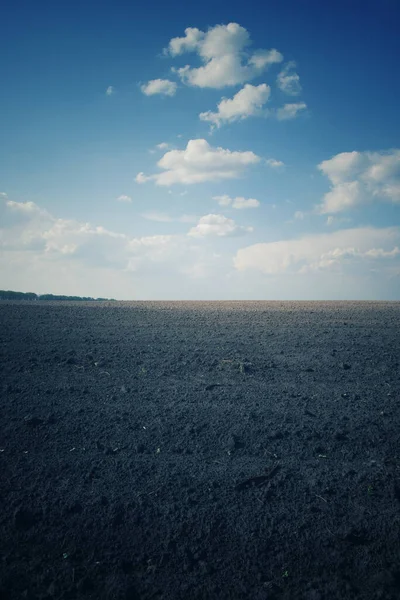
column 11, row 295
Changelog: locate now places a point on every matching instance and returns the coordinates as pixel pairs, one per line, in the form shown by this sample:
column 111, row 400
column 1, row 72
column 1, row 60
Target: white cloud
column 141, row 178
column 239, row 202
column 288, row 80
column 188, row 43
column 299, row 215
column 247, row 102
column 162, row 146
column 217, row 226
column 274, row 164
column 198, row 163
column 222, row 49
column 46, row 239
column 110, row 90
column 359, row 178
column 159, row 86
column 290, row 111
column 27, row 209
column 124, row 198
column 264, row 58
column 318, row 252
column 67, row 256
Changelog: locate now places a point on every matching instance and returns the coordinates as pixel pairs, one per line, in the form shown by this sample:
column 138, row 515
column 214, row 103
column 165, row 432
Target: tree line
column 11, row 295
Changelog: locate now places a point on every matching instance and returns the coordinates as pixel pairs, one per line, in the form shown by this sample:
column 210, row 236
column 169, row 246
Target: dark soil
column 200, row 450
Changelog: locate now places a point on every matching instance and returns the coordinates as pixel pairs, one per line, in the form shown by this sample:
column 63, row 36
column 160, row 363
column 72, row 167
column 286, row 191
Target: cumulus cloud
column 200, row 162
column 248, row 102
column 359, row 178
column 239, row 202
column 44, row 238
column 124, row 198
column 217, row 226
column 223, row 51
column 188, row 43
column 290, row 111
column 326, row 251
column 288, row 80
column 164, row 87
column 110, row 90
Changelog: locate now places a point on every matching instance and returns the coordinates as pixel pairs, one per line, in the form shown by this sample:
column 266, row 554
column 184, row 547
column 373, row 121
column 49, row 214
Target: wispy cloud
column 288, row 80
column 124, row 198
column 161, row 217
column 239, row 202
column 290, row 111
column 274, row 164
column 110, row 90
column 163, row 146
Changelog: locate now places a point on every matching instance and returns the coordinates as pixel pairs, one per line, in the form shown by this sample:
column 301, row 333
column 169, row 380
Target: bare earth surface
column 200, row 450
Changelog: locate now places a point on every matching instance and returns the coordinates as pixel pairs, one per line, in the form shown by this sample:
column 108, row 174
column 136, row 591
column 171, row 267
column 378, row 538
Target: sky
column 204, row 151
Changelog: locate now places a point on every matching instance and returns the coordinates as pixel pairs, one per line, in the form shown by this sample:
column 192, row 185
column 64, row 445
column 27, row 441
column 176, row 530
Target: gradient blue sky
column 289, row 190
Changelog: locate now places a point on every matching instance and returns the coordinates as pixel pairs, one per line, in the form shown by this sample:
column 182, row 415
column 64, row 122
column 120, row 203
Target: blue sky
column 214, row 151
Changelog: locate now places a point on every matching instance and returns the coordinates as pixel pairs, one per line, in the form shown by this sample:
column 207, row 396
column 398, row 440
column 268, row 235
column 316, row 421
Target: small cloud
column 330, row 220
column 164, row 87
column 124, row 198
column 217, row 226
column 239, row 202
column 142, row 178
column 199, row 162
column 299, row 215
column 288, row 80
column 247, row 102
column 290, row 111
column 274, row 164
column 163, row 146
column 110, row 90
column 3, row 194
